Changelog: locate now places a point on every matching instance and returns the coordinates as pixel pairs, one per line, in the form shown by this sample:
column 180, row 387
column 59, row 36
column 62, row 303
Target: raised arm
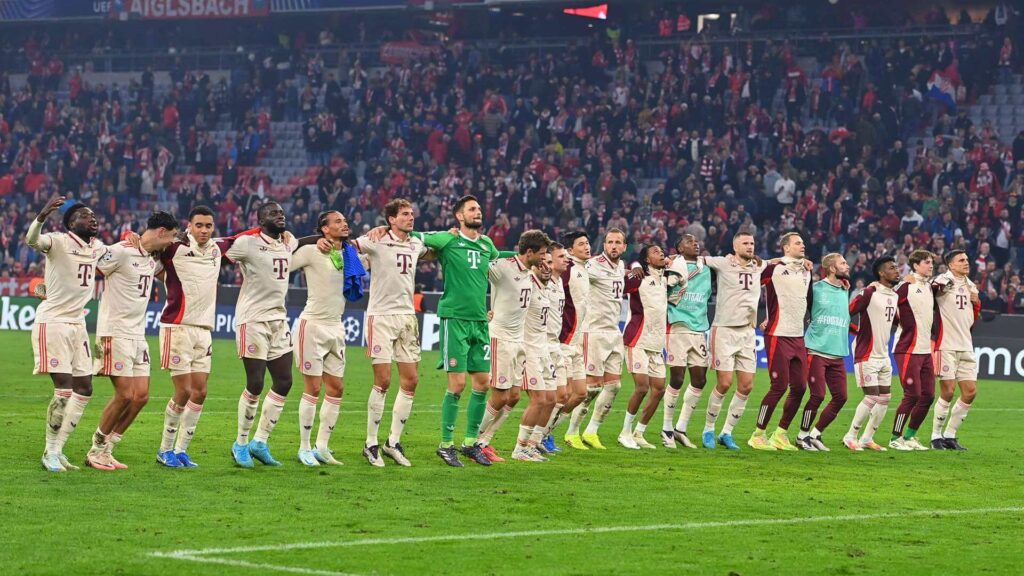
column 34, row 237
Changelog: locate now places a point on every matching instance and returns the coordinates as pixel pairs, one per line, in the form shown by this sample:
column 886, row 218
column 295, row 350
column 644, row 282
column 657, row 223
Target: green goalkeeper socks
column 449, row 413
column 475, row 415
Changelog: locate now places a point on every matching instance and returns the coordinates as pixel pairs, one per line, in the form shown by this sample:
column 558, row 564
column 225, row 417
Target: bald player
column 732, row 335
column 263, row 334
column 60, row 342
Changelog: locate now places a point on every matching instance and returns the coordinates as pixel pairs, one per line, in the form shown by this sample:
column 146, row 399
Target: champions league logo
column 353, row 330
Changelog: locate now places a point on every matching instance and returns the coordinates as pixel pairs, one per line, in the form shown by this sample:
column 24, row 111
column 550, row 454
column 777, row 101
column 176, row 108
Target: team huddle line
column 551, row 330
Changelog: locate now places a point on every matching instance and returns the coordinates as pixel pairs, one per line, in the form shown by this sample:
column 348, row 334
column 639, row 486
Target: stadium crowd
column 839, row 140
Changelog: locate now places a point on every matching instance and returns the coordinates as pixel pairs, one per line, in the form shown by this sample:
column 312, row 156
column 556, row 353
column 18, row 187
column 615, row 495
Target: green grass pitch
column 611, row 512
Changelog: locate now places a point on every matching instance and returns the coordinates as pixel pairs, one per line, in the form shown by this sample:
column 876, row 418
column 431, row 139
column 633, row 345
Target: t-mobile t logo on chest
column 746, row 280
column 280, row 268
column 85, row 274
column 404, row 262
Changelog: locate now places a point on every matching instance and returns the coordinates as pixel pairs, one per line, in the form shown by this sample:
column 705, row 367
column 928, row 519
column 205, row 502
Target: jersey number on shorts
column 487, row 352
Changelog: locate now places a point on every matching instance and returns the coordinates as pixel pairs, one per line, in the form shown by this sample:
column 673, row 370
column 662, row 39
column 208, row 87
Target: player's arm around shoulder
column 111, row 261
column 436, row 241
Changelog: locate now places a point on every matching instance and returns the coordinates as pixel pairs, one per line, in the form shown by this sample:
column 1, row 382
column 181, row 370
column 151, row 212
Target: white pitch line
column 260, row 566
column 200, row 555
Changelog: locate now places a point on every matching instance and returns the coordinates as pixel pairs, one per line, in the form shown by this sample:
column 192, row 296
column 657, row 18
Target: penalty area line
column 215, row 555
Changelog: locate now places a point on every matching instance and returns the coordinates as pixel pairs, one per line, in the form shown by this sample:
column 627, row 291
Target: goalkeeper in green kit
column 465, row 259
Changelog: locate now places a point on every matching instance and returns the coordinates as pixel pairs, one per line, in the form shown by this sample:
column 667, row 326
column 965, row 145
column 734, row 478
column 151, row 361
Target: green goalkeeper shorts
column 465, row 345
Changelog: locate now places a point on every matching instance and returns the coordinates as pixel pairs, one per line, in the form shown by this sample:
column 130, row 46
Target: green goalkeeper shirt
column 465, row 263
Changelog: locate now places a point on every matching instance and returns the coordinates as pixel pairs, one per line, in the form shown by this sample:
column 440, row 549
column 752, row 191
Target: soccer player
column 732, row 335
column 557, row 266
column 393, row 334
column 263, row 333
column 787, row 290
column 686, row 341
column 644, row 339
column 959, row 305
column 60, row 342
column 876, row 306
column 539, row 381
column 465, row 260
column 602, row 340
column 189, row 269
column 913, row 351
column 121, row 349
column 828, row 345
column 575, row 281
column 511, row 291
column 320, row 348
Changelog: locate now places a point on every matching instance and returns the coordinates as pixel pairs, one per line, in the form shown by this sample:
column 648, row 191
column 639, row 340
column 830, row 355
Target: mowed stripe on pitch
column 201, row 555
